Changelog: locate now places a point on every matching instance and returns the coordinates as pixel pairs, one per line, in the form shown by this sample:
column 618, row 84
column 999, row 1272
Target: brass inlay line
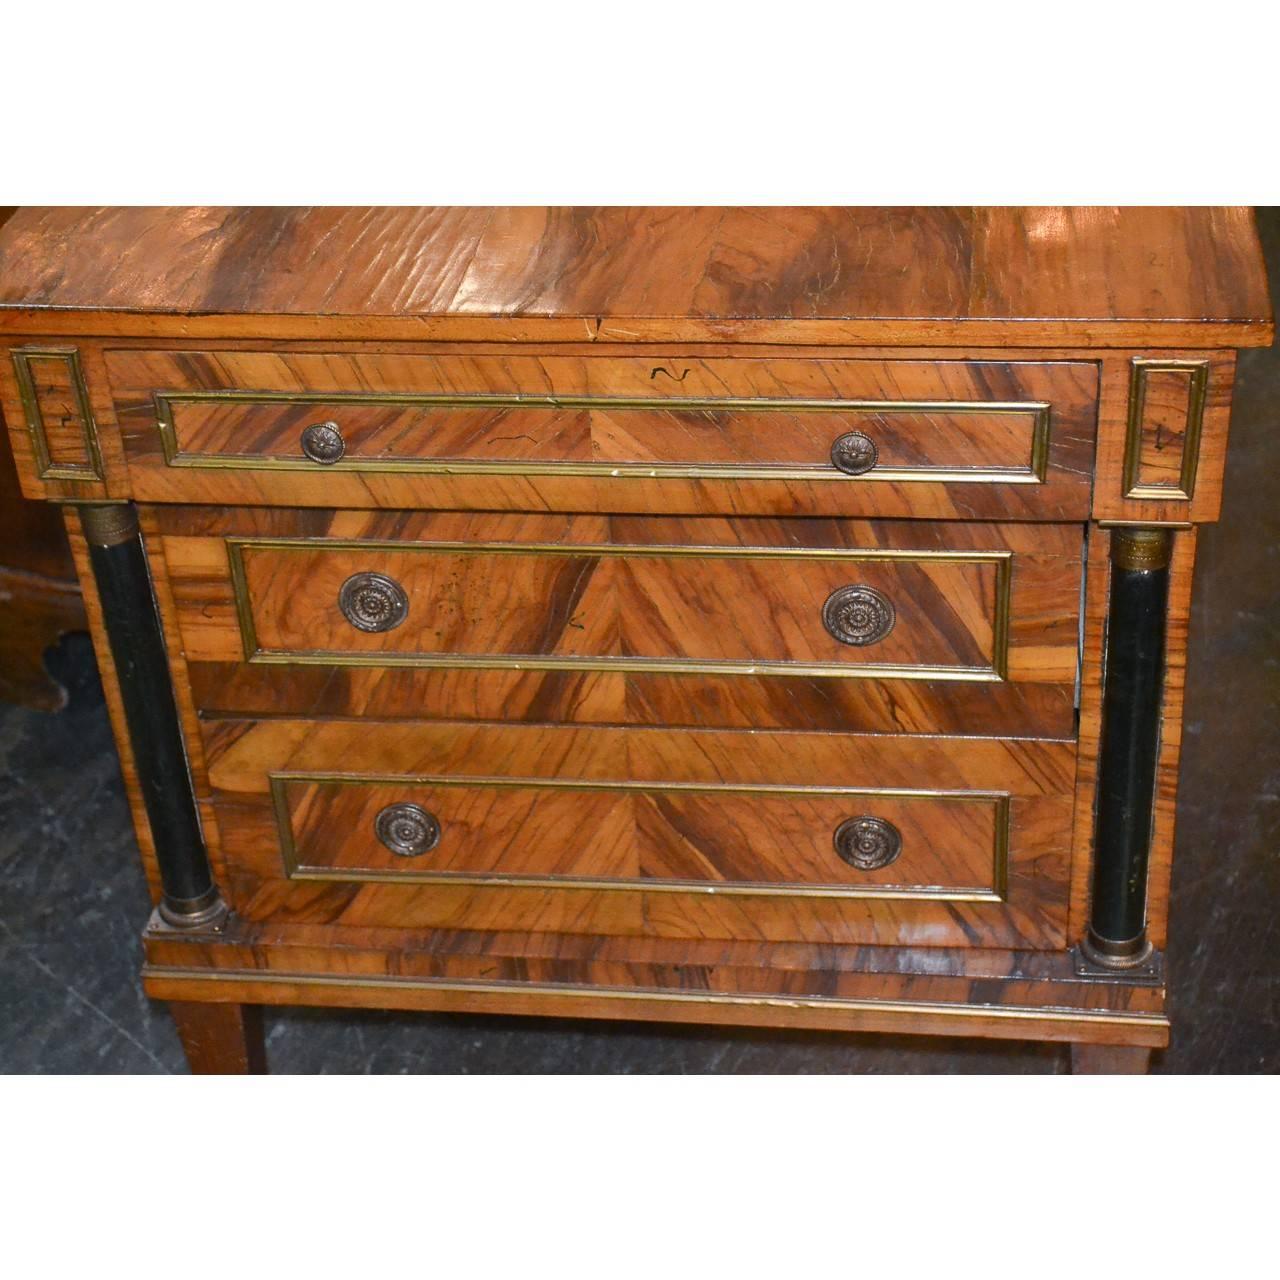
column 297, row 870
column 1033, row 473
column 1198, row 371
column 998, row 670
column 46, row 468
column 569, row 991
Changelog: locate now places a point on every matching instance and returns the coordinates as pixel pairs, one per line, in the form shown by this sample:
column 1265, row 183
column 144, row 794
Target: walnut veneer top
column 914, row 276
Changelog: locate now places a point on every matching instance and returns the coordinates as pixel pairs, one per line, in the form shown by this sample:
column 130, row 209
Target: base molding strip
column 653, row 1004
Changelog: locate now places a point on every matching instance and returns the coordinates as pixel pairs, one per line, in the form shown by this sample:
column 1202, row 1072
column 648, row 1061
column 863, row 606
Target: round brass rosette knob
column 867, row 843
column 854, row 453
column 407, row 829
column 373, row 602
column 858, row 615
column 322, row 442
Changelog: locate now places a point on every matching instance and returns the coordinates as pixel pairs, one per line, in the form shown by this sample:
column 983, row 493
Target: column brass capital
column 108, row 524
column 1141, row 549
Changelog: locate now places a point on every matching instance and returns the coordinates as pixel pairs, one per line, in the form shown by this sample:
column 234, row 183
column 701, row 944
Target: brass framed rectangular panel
column 1166, row 413
column 278, row 608
column 1029, row 419
column 59, row 417
column 558, row 833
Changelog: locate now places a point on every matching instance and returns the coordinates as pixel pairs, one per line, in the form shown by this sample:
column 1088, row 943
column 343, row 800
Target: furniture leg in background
column 39, row 597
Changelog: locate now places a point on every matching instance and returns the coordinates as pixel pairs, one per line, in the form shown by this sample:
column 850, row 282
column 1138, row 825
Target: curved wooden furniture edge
column 1150, row 1030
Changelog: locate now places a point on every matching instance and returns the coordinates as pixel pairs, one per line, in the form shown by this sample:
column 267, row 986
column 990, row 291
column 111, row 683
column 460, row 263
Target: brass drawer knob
column 858, row 615
column 854, row 453
column 322, row 442
column 373, row 602
column 407, row 829
column 867, row 843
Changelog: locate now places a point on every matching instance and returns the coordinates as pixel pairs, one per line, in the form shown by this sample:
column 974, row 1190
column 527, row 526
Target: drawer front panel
column 747, row 838
column 627, row 620
column 765, row 438
column 656, row 832
column 440, row 427
column 946, row 614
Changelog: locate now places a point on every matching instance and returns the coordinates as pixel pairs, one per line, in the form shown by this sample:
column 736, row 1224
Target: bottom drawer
column 840, row 837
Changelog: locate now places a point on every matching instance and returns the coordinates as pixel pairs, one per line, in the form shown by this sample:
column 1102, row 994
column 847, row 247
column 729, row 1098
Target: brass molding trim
column 297, row 870
column 46, row 467
column 998, row 670
column 822, row 470
column 551, row 991
column 1145, row 524
column 1141, row 369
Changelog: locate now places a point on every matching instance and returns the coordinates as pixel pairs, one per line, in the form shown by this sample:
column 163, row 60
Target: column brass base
column 206, row 912
column 1146, row 967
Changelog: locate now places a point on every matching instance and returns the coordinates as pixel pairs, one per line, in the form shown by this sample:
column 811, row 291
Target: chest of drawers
column 770, row 616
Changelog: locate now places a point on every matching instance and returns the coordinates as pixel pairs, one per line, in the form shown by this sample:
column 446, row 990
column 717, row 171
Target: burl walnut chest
column 761, row 616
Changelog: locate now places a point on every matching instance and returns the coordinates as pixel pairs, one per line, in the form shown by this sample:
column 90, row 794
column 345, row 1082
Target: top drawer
column 942, row 439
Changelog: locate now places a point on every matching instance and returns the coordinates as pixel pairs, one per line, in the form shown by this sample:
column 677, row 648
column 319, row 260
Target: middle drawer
column 829, row 612
column 819, row 601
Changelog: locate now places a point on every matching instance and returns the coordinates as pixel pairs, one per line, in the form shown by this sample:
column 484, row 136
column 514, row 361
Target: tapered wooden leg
column 221, row 1039
column 1109, row 1060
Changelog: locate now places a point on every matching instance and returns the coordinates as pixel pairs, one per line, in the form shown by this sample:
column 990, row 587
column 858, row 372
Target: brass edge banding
column 1198, row 371
column 1051, row 1013
column 90, row 472
column 296, row 870
column 1035, row 472
column 674, row 666
column 1145, row 524
column 254, row 653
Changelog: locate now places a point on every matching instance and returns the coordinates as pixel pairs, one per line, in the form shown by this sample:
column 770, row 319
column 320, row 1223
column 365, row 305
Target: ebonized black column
column 1132, row 694
column 190, row 897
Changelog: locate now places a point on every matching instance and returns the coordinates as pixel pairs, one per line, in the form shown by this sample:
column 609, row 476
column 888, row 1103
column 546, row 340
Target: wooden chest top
column 1062, row 277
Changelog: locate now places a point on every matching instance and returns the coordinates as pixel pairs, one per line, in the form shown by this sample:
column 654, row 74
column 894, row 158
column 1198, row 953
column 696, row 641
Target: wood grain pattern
column 65, row 415
column 58, row 419
column 667, row 838
column 503, row 602
column 933, row 991
column 494, row 828
column 1165, row 413
column 1070, row 462
column 1110, row 1060
column 814, row 703
column 746, row 424
column 221, row 1039
column 1109, row 496
column 736, row 608
column 1066, row 276
column 643, row 843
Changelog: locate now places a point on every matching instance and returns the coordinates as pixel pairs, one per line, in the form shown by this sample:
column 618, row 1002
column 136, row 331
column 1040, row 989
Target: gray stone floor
column 72, row 900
